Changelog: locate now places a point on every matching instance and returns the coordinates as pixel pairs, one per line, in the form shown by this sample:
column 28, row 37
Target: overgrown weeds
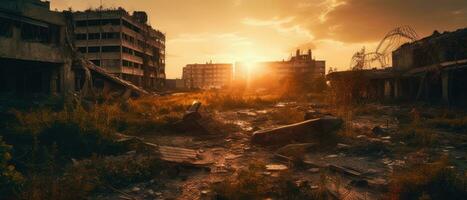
column 458, row 124
column 287, row 115
column 429, row 181
column 251, row 183
column 221, row 101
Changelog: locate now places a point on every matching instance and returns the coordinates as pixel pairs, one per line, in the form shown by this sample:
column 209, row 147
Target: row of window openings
column 101, row 22
column 115, row 22
column 140, row 43
column 110, row 49
column 112, row 35
column 124, row 63
column 30, row 32
column 96, row 36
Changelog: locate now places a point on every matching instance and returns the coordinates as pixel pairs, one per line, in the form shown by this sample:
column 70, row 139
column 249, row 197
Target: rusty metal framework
column 381, row 57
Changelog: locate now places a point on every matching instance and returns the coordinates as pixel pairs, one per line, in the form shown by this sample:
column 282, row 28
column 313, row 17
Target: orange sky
column 259, row 30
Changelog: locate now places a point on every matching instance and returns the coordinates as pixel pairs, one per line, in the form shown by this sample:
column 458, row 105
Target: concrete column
column 387, row 89
column 53, row 81
column 67, row 78
column 397, row 89
column 445, row 86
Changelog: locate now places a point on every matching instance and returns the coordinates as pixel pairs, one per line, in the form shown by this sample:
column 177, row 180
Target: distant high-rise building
column 123, row 44
column 209, row 75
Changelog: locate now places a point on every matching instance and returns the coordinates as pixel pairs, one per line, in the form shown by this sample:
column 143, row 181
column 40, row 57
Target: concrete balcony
column 14, row 48
column 98, row 56
column 102, row 42
column 132, row 71
column 98, row 29
column 132, row 58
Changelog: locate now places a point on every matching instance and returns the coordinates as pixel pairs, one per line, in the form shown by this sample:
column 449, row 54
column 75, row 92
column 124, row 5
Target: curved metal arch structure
column 382, row 55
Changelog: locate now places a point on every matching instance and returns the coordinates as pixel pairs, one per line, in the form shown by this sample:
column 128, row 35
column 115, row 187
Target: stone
column 299, row 132
column 296, row 151
column 312, row 114
column 136, row 189
column 276, row 167
column 314, row 170
column 377, row 130
column 314, row 187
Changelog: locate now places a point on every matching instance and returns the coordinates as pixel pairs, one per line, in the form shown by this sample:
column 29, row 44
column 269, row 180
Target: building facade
column 123, row 44
column 433, row 69
column 38, row 58
column 207, row 76
column 33, row 55
column 300, row 66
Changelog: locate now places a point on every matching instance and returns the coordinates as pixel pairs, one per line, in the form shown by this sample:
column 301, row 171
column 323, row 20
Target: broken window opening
column 81, row 37
column 82, row 49
column 33, row 33
column 93, row 49
column 111, row 49
column 94, row 36
column 6, row 28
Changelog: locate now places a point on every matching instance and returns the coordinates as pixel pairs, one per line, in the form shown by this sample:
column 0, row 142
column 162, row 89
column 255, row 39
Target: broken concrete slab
column 299, row 132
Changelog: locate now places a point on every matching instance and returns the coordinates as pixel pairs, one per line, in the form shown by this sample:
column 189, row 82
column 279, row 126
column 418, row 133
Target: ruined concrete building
column 207, row 76
column 300, row 66
column 123, row 44
column 432, row 69
column 37, row 55
column 33, row 57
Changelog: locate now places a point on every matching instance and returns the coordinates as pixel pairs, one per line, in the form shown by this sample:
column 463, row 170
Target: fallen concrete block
column 299, row 132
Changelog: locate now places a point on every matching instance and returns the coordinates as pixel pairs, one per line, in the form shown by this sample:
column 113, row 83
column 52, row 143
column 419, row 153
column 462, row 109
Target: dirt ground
column 358, row 166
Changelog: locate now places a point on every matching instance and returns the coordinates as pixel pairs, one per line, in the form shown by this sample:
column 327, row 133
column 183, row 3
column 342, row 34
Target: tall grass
column 429, row 181
column 251, row 183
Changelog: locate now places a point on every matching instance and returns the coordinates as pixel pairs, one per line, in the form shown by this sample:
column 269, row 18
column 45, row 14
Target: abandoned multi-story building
column 33, row 57
column 123, row 44
column 37, row 55
column 207, row 76
column 300, row 66
column 432, row 69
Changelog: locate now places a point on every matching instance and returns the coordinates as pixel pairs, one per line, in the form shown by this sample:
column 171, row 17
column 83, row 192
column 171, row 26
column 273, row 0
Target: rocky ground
column 357, row 164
